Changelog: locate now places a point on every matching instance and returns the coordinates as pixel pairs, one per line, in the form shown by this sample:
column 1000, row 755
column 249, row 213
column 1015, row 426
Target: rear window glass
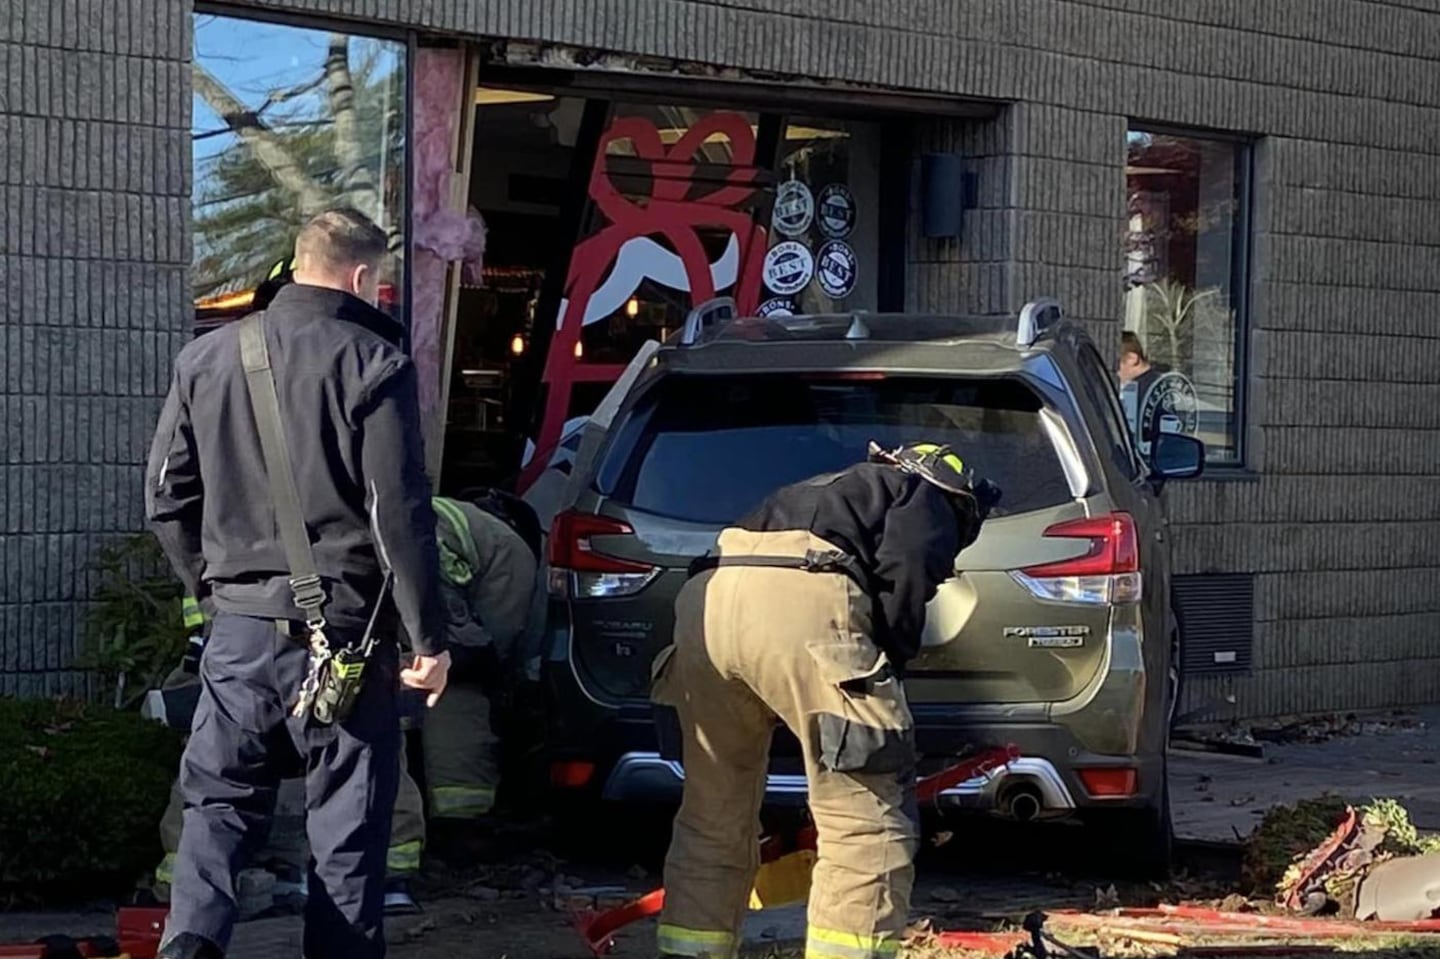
column 709, row 449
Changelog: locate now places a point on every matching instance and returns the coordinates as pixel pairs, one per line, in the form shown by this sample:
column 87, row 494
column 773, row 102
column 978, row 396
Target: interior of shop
column 608, row 218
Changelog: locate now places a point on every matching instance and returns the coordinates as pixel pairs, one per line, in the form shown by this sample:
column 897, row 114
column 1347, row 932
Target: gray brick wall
column 94, row 182
column 1338, row 526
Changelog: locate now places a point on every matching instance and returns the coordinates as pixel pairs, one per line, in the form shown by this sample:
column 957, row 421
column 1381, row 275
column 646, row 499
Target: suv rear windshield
column 709, row 449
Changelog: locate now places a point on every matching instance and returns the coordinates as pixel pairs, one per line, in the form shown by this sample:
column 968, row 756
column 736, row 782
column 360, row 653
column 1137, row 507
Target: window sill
column 1228, row 474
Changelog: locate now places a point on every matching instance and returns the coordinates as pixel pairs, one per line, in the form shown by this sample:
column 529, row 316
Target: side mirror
column 1176, row 456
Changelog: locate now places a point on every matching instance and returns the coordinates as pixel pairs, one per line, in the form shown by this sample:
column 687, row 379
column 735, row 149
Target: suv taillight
column 579, row 571
column 1109, row 573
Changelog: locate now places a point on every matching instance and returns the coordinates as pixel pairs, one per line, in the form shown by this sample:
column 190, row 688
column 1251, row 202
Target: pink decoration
column 451, row 237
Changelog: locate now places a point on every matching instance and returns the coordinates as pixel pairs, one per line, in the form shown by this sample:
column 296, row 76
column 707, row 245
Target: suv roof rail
column 705, row 316
column 1037, row 318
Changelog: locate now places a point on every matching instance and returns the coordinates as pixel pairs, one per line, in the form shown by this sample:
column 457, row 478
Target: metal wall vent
column 1217, row 621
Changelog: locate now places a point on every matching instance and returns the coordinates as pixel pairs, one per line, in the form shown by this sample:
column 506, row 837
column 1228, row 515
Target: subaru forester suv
column 1056, row 632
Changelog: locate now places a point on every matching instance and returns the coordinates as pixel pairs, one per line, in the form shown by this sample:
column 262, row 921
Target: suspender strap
column 260, row 381
column 814, row 561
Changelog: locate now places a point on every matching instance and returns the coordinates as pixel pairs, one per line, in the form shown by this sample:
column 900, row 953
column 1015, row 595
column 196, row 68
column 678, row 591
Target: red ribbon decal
column 669, row 214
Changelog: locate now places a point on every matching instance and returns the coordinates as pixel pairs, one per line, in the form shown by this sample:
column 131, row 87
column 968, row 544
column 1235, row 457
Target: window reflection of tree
column 330, row 133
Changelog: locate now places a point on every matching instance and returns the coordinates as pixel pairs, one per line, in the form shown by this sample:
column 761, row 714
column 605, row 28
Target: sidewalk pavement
column 1215, row 798
column 1221, row 798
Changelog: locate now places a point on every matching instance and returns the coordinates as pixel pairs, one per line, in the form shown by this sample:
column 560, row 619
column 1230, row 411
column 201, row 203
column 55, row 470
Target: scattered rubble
column 1251, row 738
column 1325, row 728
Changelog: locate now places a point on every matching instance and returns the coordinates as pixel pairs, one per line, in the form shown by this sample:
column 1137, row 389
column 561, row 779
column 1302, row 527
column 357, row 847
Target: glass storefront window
column 1180, row 362
column 287, row 122
column 827, row 200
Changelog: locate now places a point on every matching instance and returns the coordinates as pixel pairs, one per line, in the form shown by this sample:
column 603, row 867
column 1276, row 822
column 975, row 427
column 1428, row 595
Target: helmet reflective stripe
column 936, row 464
column 946, row 455
column 281, row 267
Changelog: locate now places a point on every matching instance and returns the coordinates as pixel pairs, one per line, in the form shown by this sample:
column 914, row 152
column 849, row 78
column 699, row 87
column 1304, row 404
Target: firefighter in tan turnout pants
column 806, row 614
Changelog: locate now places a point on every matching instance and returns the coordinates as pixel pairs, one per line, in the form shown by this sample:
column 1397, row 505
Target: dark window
column 1186, row 268
column 710, row 449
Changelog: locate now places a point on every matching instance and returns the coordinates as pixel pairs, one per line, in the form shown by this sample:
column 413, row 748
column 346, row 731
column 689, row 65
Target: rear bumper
column 642, row 776
column 630, row 765
column 624, row 746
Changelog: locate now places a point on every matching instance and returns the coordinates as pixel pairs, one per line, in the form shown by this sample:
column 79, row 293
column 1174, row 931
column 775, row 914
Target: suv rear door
column 690, row 453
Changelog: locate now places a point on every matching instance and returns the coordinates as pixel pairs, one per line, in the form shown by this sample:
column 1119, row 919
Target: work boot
column 398, row 901
column 187, row 945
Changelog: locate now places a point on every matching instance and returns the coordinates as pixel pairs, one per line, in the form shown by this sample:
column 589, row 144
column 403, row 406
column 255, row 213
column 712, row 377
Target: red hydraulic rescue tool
column 598, row 928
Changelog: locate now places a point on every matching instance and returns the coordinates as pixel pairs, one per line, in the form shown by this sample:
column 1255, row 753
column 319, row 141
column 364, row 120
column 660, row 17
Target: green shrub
column 136, row 629
column 82, row 790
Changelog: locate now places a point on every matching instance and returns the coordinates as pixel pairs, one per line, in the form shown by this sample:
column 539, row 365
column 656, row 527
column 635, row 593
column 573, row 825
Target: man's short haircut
column 340, row 239
column 1130, row 343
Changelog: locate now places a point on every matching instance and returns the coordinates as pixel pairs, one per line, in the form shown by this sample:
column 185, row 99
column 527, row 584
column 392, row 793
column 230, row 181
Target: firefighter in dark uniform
column 806, row 614
column 349, row 406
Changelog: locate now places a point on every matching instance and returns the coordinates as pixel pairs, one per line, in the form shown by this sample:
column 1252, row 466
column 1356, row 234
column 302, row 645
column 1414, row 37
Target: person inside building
column 1135, row 366
column 806, row 614
column 1137, row 375
column 240, row 417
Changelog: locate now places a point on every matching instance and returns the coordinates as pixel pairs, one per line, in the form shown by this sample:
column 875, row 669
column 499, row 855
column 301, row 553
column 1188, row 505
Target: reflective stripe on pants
column 461, row 802
column 403, row 859
column 832, row 944
column 190, row 610
column 679, row 941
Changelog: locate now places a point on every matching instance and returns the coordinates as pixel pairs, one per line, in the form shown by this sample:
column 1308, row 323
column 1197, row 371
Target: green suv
column 1057, row 632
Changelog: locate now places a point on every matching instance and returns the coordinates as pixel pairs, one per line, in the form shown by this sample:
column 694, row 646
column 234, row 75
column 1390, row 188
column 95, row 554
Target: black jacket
column 901, row 529
column 352, row 421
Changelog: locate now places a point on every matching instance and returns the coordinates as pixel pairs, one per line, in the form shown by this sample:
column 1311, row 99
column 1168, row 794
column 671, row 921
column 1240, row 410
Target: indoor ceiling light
column 815, row 133
column 671, row 135
column 492, row 96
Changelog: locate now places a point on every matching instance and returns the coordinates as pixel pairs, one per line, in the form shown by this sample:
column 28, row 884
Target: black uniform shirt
column 901, row 529
column 352, row 420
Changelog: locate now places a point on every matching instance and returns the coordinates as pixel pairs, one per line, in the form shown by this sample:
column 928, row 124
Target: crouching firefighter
column 493, row 599
column 806, row 614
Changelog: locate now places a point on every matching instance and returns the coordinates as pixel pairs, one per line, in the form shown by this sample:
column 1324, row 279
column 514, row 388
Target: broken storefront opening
column 612, row 202
column 611, row 212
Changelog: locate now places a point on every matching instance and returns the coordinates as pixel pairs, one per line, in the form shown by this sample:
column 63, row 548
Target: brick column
column 94, row 182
